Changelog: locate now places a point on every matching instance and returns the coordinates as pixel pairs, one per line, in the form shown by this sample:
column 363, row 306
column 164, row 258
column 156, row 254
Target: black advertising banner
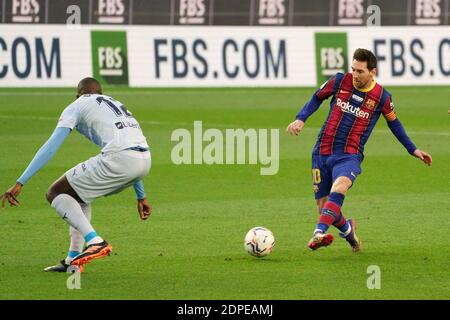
column 16, row 11
column 69, row 12
column 232, row 12
column 228, row 12
column 152, row 12
column 393, row 13
column 311, row 13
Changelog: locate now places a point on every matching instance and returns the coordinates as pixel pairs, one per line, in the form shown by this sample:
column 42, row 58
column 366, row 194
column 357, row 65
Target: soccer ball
column 259, row 241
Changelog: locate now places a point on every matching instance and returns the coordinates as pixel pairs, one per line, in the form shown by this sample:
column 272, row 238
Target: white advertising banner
column 162, row 56
column 407, row 55
column 42, row 56
column 239, row 56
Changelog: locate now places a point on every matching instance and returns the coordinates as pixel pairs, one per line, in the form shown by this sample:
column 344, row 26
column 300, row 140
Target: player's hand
column 11, row 195
column 295, row 127
column 144, row 208
column 422, row 155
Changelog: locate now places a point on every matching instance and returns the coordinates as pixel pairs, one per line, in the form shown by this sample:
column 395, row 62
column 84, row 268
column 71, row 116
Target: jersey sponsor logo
column 357, row 98
column 127, row 124
column 348, row 108
column 119, row 125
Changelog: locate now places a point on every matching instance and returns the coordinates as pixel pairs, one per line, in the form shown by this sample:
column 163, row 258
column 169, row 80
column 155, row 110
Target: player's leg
column 68, row 204
column 103, row 175
column 345, row 170
column 66, row 201
column 76, row 238
column 76, row 244
column 320, row 203
column 322, row 181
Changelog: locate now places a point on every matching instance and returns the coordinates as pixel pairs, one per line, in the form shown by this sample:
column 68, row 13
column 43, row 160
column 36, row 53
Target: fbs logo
column 351, row 12
column 25, row 11
column 111, row 11
column 428, row 12
column 109, row 56
column 192, row 11
column 271, row 11
column 331, row 54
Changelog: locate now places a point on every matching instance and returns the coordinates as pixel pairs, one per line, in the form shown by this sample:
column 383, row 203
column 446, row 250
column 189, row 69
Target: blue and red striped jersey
column 353, row 115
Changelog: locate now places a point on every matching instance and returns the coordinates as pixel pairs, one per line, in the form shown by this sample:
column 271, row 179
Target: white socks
column 71, row 211
column 76, row 238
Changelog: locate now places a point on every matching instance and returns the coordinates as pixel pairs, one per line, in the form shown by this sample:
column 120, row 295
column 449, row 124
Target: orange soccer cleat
column 93, row 251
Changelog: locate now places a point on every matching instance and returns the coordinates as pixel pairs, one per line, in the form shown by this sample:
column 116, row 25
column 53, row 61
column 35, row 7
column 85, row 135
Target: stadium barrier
column 170, row 56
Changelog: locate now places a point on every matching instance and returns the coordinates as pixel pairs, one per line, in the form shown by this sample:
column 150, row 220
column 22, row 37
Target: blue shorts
column 326, row 169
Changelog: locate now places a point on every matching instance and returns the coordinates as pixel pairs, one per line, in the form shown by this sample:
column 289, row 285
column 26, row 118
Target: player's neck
column 369, row 86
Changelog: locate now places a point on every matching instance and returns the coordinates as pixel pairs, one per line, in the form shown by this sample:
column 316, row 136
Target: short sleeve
column 388, row 110
column 69, row 117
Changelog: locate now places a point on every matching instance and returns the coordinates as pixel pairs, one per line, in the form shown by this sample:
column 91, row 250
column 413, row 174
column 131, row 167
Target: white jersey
column 104, row 121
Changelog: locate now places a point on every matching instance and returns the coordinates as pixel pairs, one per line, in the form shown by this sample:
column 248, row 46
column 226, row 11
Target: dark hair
column 365, row 55
column 88, row 85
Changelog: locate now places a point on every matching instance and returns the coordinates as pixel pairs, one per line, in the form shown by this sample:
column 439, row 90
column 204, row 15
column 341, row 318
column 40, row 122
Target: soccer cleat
column 320, row 240
column 94, row 251
column 61, row 267
column 351, row 238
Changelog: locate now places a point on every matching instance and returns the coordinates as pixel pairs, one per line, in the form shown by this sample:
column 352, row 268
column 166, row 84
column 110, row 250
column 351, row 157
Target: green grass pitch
column 192, row 246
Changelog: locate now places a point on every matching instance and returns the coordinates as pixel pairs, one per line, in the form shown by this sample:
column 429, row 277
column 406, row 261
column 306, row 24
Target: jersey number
column 316, row 176
column 119, row 111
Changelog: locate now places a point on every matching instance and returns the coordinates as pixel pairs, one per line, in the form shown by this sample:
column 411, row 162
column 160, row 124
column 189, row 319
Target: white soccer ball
column 259, row 241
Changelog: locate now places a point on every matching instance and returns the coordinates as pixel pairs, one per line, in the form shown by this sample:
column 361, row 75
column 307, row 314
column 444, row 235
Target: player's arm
column 399, row 132
column 41, row 158
column 325, row 91
column 144, row 208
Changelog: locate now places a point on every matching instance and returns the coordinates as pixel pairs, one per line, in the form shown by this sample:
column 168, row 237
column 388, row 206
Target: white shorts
column 107, row 174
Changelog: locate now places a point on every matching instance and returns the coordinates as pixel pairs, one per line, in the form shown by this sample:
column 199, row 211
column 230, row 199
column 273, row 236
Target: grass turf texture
column 192, row 246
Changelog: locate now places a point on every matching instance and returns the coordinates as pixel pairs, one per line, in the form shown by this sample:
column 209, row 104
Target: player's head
column 364, row 68
column 88, row 86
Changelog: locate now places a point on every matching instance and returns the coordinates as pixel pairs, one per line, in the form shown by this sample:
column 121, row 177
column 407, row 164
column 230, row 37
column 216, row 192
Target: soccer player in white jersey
column 124, row 161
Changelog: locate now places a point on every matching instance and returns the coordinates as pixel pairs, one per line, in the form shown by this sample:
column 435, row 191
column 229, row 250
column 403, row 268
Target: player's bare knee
column 341, row 185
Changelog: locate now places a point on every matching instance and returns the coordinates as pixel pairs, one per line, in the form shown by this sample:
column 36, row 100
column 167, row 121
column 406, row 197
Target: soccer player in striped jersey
column 357, row 102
